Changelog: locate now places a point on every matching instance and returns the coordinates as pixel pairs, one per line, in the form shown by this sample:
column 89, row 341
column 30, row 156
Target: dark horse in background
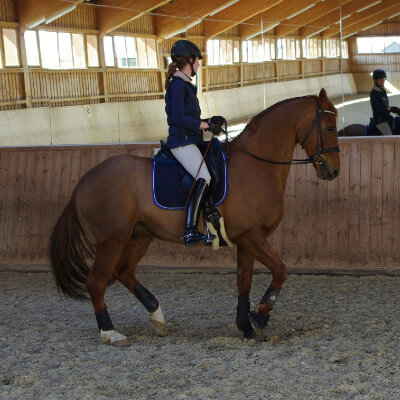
column 111, row 215
column 353, row 130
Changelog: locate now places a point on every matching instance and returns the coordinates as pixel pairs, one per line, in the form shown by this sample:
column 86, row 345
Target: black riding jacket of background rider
column 380, row 103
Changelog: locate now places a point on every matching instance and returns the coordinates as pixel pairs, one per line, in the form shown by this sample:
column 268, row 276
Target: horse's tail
column 70, row 252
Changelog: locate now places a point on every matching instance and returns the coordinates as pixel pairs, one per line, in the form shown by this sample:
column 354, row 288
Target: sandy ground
column 329, row 338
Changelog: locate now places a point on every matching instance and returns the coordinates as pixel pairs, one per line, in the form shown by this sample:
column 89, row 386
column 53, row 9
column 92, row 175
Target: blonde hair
column 173, row 67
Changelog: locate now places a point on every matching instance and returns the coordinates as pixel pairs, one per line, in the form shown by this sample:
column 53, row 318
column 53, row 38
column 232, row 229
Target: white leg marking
column 114, row 338
column 157, row 321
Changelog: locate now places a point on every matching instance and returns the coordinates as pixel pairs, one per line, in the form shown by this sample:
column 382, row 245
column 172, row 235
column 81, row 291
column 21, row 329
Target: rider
column 382, row 119
column 186, row 130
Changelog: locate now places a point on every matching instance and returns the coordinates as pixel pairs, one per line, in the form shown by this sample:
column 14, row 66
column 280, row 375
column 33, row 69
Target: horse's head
column 320, row 140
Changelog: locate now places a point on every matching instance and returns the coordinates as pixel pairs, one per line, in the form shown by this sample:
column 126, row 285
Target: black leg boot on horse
column 195, row 205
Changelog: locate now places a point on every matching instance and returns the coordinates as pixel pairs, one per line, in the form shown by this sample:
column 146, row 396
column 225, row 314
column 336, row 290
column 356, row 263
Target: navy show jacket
column 183, row 114
column 379, row 103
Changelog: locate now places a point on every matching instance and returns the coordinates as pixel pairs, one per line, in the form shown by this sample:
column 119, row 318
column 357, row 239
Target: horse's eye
column 330, row 129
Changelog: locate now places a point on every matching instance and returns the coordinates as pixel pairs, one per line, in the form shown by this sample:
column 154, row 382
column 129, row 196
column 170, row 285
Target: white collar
column 377, row 88
column 180, row 74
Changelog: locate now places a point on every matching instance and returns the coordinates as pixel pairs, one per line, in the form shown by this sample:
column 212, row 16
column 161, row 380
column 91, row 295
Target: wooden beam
column 175, row 17
column 111, row 15
column 252, row 27
column 234, row 15
column 24, row 62
column 361, row 16
column 32, row 13
column 319, row 10
column 326, row 21
column 373, row 20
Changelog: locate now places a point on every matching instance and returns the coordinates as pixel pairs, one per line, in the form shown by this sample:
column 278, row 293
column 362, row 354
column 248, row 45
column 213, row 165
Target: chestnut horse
column 111, row 215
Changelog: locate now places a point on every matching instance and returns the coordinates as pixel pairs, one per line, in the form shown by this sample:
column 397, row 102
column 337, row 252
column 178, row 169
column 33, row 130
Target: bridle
column 312, row 159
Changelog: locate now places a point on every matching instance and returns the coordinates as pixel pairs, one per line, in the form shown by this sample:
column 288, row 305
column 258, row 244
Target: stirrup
column 194, row 237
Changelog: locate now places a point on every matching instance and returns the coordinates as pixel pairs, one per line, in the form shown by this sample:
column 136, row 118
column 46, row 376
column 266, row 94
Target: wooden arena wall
column 368, row 62
column 349, row 224
column 26, row 87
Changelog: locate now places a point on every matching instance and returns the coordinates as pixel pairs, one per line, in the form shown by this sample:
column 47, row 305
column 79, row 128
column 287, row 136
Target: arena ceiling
column 275, row 17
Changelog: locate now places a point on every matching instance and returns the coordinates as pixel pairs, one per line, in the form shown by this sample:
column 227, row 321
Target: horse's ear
column 323, row 97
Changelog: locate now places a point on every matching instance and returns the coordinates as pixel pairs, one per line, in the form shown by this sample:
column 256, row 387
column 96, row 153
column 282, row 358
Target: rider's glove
column 218, row 119
column 214, row 128
column 395, row 110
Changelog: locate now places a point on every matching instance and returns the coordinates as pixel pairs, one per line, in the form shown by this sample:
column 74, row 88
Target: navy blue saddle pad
column 172, row 184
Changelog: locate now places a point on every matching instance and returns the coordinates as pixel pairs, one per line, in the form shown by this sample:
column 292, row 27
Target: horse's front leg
column 256, row 244
column 245, row 263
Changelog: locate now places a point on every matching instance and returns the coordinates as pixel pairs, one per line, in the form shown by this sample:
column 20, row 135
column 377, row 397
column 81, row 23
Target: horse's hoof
column 159, row 327
column 247, row 329
column 249, row 332
column 114, row 338
column 157, row 321
column 120, row 343
column 259, row 323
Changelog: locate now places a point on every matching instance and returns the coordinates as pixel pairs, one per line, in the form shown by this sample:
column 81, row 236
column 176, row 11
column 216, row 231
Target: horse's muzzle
column 327, row 171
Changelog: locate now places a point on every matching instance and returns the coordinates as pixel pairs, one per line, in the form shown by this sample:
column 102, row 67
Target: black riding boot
column 196, row 201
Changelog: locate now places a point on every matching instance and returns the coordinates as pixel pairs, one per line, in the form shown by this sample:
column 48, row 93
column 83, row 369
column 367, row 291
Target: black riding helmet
column 187, row 50
column 378, row 74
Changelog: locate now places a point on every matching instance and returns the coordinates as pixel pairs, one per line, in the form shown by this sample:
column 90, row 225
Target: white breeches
column 384, row 128
column 190, row 157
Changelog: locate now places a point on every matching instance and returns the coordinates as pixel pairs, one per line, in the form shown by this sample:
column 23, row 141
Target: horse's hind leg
column 256, row 244
column 134, row 251
column 108, row 256
column 245, row 263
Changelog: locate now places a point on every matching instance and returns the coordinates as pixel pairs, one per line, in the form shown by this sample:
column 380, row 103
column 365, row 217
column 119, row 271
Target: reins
column 312, row 159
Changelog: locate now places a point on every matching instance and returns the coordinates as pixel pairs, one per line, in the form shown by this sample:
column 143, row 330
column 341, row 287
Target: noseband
column 320, row 145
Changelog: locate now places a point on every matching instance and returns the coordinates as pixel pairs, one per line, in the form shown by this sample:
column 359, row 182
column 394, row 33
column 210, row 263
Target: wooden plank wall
column 352, row 223
column 72, row 87
column 368, row 62
column 83, row 17
column 66, row 87
column 133, row 83
column 7, row 12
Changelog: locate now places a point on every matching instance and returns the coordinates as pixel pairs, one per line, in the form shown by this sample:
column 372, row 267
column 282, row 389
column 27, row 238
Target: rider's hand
column 218, row 119
column 395, row 110
column 204, row 124
column 215, row 129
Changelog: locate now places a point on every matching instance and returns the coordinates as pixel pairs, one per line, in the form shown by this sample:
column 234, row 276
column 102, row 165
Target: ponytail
column 173, row 67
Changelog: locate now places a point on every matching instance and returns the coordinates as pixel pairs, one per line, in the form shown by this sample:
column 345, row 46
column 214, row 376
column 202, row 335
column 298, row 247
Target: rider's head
column 184, row 54
column 379, row 76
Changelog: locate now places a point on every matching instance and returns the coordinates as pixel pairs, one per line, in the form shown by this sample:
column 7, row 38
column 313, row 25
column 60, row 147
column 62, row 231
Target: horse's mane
column 252, row 123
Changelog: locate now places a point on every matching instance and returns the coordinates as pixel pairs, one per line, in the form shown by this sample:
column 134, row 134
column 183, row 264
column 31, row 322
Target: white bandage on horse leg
column 157, row 321
column 157, row 316
column 110, row 337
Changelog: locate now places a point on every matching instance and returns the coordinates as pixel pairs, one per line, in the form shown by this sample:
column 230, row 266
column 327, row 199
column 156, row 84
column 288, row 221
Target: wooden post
column 322, row 58
column 160, row 53
column 103, row 68
column 24, row 62
column 276, row 59
column 207, row 75
column 241, row 62
column 301, row 59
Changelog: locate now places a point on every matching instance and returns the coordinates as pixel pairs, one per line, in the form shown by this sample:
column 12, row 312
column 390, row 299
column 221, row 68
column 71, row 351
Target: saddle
column 172, row 185
column 372, row 130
